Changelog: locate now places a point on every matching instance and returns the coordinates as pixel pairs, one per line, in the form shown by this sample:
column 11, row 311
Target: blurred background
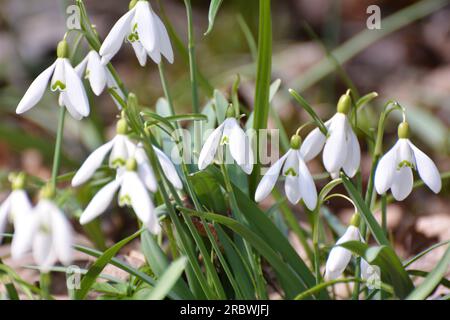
column 408, row 60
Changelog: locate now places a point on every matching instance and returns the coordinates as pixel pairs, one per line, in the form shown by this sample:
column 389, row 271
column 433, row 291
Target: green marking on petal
column 124, row 200
column 58, row 85
column 290, row 172
column 405, row 163
column 225, row 140
column 118, row 162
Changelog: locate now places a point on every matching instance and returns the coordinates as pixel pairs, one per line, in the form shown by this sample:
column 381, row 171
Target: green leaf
column 365, row 212
column 432, row 280
column 274, row 87
column 168, row 279
column 308, row 108
column 262, row 86
column 391, row 268
column 213, row 9
column 365, row 99
column 95, row 270
column 208, row 191
column 158, row 262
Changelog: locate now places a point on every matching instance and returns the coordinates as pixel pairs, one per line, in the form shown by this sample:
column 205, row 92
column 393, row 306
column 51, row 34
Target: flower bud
column 62, row 51
column 344, row 104
column 122, row 126
column 296, row 142
column 403, row 130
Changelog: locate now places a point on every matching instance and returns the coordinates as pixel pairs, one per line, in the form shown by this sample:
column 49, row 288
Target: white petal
column 169, row 169
column 23, row 237
column 43, row 251
column 404, row 152
column 270, row 178
column 385, row 170
column 248, row 166
column 4, row 214
column 59, row 82
column 368, row 272
column 36, row 90
column 119, row 153
column 164, row 40
column 145, row 171
column 335, row 151
column 100, row 202
column 307, row 187
column 239, row 146
column 81, row 67
column 292, row 183
column 155, row 55
column 75, row 90
column 21, row 207
column 146, row 27
column 91, row 164
column 62, row 235
column 427, row 170
column 65, row 102
column 351, row 164
column 96, row 73
column 340, row 257
column 210, row 148
column 313, row 144
column 403, row 183
column 140, row 52
column 133, row 187
column 112, row 85
column 116, row 36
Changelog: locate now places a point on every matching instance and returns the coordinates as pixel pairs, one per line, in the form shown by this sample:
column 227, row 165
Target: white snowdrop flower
column 121, row 148
column 394, row 171
column 64, row 79
column 141, row 27
column 369, row 272
column 132, row 193
column 16, row 207
column 228, row 133
column 341, row 148
column 299, row 183
column 339, row 257
column 47, row 233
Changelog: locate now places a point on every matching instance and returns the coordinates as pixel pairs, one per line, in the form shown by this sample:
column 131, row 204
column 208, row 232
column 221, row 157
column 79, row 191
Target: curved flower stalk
column 16, row 207
column 132, row 192
column 141, row 27
column 121, row 148
column 299, row 183
column 64, row 79
column 341, row 148
column 228, row 133
column 394, row 170
column 46, row 232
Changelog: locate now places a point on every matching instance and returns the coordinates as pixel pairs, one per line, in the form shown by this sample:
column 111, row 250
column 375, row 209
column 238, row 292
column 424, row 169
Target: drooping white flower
column 339, row 257
column 341, row 148
column 394, row 171
column 370, row 273
column 132, row 192
column 15, row 208
column 228, row 133
column 121, row 148
column 47, row 233
column 299, row 183
column 141, row 27
column 64, row 79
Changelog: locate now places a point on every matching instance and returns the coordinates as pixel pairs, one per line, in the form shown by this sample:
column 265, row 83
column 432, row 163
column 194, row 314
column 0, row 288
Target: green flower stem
column 57, row 154
column 383, row 213
column 45, row 283
column 316, row 230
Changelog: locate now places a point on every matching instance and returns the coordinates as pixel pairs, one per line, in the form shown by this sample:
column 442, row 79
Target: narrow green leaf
column 432, row 280
column 95, row 270
column 308, row 108
column 168, row 279
column 213, row 9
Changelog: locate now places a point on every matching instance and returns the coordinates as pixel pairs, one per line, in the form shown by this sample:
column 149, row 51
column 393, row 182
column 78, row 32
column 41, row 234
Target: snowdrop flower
column 46, row 232
column 121, row 148
column 341, row 148
column 370, row 273
column 16, row 207
column 228, row 133
column 64, row 79
column 340, row 257
column 141, row 27
column 299, row 183
column 132, row 193
column 394, row 170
